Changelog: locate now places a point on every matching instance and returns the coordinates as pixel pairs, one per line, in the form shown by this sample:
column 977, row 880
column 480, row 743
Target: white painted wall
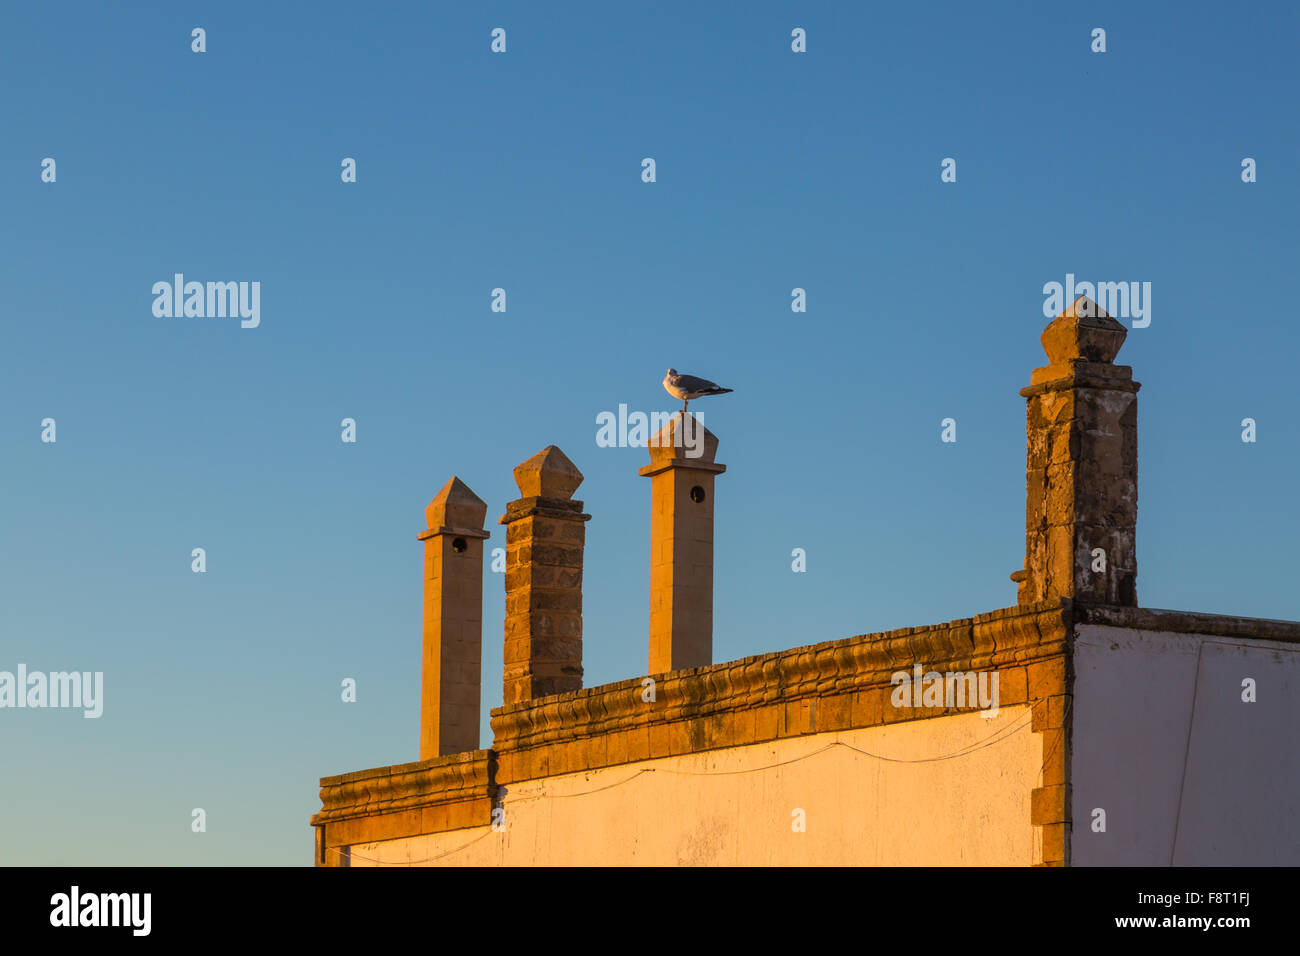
column 1187, row 773
column 733, row 808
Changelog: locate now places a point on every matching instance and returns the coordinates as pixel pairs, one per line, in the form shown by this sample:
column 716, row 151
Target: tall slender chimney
column 1081, row 472
column 545, row 537
column 451, row 673
column 681, row 473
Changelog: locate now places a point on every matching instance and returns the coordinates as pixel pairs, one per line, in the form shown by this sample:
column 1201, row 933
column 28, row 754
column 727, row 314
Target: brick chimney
column 1081, row 469
column 681, row 544
column 545, row 536
column 451, row 673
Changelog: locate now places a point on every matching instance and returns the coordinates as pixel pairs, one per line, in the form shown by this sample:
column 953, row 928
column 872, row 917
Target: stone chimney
column 451, row 673
column 1081, row 472
column 681, row 544
column 545, row 536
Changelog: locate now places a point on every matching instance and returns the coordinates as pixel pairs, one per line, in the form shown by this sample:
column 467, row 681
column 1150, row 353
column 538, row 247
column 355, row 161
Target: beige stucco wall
column 944, row 791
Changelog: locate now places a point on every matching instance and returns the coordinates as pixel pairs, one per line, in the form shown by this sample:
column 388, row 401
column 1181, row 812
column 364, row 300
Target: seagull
column 687, row 387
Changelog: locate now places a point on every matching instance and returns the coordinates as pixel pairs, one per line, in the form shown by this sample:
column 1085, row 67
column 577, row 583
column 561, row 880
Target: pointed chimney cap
column 690, row 441
column 548, row 474
column 456, row 507
column 1083, row 332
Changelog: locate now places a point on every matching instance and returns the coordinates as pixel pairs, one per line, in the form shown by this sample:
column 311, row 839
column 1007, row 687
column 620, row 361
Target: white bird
column 687, row 387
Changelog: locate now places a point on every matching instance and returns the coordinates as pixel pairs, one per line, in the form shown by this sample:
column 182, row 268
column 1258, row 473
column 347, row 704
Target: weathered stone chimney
column 681, row 544
column 545, row 536
column 1081, row 471
column 451, row 673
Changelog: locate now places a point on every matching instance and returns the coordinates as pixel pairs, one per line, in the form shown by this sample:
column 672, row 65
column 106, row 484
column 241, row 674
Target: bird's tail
column 720, row 391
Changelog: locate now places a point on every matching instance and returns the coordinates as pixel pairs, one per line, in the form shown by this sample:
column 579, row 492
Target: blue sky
column 522, row 171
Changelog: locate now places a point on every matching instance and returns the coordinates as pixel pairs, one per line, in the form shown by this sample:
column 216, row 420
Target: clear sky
column 522, row 171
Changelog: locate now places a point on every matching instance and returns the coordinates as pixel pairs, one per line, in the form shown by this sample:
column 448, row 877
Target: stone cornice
column 546, row 507
column 682, row 464
column 1189, row 622
column 997, row 639
column 408, row 786
column 1056, row 378
column 459, row 532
